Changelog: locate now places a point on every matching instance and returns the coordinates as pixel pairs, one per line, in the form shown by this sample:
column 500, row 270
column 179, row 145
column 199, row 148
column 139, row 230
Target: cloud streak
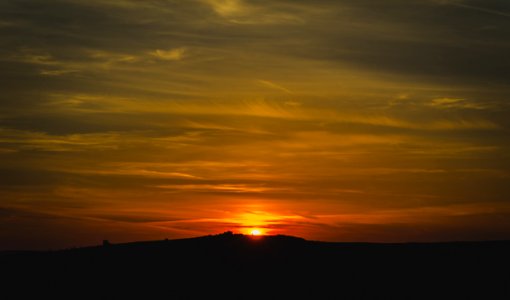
column 479, row 8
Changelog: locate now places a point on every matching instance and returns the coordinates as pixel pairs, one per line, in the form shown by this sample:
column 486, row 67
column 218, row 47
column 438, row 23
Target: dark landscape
column 235, row 266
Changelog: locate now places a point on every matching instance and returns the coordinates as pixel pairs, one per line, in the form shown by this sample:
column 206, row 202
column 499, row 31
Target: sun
column 255, row 232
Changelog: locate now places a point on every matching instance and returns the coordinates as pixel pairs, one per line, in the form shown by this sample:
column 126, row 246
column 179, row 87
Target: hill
column 232, row 266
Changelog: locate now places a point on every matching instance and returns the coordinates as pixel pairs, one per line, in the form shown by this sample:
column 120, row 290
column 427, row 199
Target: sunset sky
column 336, row 120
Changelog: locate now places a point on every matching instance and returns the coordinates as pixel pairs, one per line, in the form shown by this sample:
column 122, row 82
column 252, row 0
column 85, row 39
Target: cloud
column 462, row 125
column 456, row 103
column 33, row 56
column 224, row 188
column 269, row 109
column 466, row 5
column 135, row 172
column 27, row 140
column 227, row 7
column 57, row 72
column 171, row 55
column 108, row 57
column 275, row 86
column 251, row 13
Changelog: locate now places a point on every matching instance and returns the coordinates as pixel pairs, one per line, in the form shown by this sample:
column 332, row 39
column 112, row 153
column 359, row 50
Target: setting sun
column 255, row 232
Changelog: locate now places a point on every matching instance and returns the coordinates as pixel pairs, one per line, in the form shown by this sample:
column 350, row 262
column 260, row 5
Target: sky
column 345, row 120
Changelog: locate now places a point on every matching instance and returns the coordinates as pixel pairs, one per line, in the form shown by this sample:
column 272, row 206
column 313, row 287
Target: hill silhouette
column 235, row 266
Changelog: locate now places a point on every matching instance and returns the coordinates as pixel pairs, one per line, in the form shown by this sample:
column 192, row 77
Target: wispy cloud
column 108, row 57
column 29, row 140
column 462, row 4
column 270, row 109
column 456, row 103
column 275, row 86
column 227, row 7
column 251, row 13
column 227, row 188
column 172, row 54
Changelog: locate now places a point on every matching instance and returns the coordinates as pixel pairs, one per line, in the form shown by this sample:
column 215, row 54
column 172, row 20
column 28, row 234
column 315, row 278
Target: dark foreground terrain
column 231, row 266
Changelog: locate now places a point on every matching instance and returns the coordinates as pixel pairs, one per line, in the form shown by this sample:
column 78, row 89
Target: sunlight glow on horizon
column 255, row 232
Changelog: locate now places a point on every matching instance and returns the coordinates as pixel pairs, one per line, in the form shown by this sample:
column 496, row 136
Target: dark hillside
column 272, row 267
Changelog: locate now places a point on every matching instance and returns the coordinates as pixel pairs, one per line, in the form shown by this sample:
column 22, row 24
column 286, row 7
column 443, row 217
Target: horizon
column 336, row 121
column 230, row 234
